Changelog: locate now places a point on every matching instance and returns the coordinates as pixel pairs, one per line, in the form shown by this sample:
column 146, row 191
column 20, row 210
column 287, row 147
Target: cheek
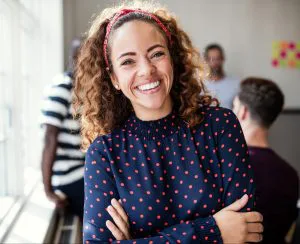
column 124, row 77
column 170, row 74
column 167, row 68
column 126, row 85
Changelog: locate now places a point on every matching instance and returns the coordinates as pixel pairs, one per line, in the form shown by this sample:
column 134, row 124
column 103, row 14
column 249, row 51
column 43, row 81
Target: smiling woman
column 177, row 166
column 145, row 74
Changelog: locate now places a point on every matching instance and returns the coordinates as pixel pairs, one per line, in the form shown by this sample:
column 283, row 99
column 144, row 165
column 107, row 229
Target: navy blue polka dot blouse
column 171, row 178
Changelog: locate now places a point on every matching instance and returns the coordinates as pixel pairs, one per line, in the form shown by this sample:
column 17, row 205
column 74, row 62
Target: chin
column 153, row 104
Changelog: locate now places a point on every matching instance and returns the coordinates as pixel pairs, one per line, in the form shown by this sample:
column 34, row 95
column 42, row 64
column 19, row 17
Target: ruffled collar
column 154, row 129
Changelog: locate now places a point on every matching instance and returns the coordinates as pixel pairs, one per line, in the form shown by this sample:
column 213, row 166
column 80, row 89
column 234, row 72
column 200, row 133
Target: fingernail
column 109, row 208
column 243, row 197
column 108, row 223
column 114, row 202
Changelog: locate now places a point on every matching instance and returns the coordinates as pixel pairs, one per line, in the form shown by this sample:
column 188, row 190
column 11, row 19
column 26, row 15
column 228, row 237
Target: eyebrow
column 148, row 50
column 154, row 46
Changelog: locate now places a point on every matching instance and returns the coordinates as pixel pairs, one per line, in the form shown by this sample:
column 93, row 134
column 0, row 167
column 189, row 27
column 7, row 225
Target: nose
column 146, row 67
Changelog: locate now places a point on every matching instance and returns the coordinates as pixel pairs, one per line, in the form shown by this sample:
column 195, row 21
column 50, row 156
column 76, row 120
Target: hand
column 58, row 200
column 238, row 227
column 119, row 229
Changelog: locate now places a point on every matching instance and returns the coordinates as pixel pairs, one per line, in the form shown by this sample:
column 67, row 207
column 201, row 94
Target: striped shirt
column 57, row 111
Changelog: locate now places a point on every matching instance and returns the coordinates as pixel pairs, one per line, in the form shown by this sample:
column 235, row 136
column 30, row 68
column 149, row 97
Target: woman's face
column 142, row 68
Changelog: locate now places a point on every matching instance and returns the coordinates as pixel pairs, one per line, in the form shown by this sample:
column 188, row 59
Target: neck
column 148, row 114
column 217, row 76
column 256, row 136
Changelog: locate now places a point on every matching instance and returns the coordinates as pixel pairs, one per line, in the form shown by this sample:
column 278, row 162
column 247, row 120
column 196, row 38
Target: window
column 31, row 47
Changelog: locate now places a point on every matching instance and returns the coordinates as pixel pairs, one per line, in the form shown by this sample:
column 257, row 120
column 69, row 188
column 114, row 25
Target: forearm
column 201, row 230
column 48, row 157
column 47, row 164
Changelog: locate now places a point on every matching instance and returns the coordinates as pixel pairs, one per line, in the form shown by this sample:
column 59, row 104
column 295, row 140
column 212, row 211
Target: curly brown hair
column 101, row 107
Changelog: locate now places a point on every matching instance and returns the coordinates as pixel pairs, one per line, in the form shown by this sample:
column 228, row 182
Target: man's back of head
column 263, row 99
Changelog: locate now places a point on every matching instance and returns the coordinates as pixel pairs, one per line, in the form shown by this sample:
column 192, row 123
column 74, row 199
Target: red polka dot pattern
column 171, row 178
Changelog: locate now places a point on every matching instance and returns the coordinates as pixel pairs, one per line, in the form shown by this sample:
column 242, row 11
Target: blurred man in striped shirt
column 62, row 160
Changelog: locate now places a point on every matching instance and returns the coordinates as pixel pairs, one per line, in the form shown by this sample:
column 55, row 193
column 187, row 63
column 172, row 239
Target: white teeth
column 149, row 86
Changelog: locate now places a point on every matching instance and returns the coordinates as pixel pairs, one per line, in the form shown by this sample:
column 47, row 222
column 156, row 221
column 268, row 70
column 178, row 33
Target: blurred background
column 34, row 41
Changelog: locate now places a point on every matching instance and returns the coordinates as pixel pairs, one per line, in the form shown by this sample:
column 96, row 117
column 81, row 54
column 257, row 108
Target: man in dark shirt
column 257, row 105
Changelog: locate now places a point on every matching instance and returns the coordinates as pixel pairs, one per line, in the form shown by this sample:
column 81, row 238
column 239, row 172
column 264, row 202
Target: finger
column 60, row 203
column 251, row 217
column 238, row 204
column 254, row 237
column 115, row 231
column 119, row 209
column 255, row 227
column 120, row 223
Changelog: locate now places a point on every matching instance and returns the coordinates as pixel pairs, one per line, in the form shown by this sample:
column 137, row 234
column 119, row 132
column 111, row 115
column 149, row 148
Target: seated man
column 257, row 105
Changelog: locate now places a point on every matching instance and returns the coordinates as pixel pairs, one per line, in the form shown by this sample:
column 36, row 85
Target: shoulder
column 61, row 86
column 220, row 121
column 232, row 79
column 285, row 166
column 97, row 159
column 218, row 114
column 62, row 80
column 104, row 142
column 98, row 143
column 115, row 138
column 96, row 152
column 232, row 82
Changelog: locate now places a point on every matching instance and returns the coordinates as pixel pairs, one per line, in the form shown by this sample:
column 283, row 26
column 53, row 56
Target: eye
column 158, row 54
column 127, row 62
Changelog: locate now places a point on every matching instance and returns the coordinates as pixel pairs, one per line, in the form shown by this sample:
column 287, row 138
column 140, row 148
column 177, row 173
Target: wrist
column 208, row 230
column 48, row 190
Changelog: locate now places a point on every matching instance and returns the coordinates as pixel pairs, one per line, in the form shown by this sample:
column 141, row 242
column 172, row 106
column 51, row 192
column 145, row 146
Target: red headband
column 122, row 13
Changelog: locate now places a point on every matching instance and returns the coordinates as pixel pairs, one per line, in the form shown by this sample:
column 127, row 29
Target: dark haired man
column 257, row 105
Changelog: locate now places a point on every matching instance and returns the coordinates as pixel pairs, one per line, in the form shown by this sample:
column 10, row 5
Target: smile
column 149, row 86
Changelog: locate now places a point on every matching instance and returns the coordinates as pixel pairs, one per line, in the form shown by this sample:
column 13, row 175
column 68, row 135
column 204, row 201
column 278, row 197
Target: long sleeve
column 237, row 174
column 100, row 188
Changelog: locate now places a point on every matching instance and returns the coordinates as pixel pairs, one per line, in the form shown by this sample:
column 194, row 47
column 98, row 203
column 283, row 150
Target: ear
column 114, row 80
column 244, row 112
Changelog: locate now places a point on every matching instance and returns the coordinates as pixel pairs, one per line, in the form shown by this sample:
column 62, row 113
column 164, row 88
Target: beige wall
column 245, row 29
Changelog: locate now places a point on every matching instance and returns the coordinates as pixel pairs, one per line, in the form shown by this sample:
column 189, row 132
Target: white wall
column 284, row 138
column 246, row 30
column 77, row 17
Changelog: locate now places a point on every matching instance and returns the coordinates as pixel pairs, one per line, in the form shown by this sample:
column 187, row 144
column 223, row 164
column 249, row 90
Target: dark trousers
column 75, row 194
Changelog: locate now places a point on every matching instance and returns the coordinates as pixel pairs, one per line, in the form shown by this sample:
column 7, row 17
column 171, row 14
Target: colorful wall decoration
column 286, row 54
